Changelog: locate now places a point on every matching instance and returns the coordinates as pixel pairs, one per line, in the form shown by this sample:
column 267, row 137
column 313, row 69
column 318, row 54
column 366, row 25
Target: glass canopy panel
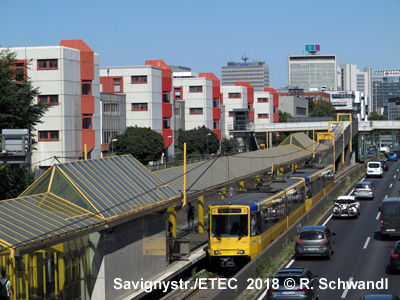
column 39, row 186
column 63, row 188
column 298, row 144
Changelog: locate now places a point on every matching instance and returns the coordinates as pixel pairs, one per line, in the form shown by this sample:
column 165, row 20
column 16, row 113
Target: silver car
column 346, row 206
column 304, row 285
column 315, row 241
column 364, row 190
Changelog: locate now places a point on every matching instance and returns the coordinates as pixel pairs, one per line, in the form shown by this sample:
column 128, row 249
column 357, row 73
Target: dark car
column 380, row 297
column 385, row 165
column 315, row 241
column 304, row 285
column 394, row 261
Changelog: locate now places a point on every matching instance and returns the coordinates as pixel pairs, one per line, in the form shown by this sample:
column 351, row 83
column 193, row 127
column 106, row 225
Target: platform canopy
column 74, row 196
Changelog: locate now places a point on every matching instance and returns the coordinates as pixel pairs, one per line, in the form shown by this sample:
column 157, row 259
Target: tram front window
column 229, row 226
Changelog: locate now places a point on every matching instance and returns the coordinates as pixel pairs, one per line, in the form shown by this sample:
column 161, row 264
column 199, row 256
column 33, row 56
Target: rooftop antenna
column 245, row 58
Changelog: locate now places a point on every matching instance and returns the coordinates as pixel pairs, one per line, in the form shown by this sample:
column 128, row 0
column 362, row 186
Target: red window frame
column 166, row 97
column 47, row 64
column 231, row 114
column 263, row 116
column 262, row 100
column 216, row 103
column 86, row 83
column 19, row 65
column 141, row 79
column 48, row 135
column 47, row 98
column 216, row 124
column 234, row 95
column 178, row 89
column 166, row 123
column 119, row 81
column 142, row 107
column 195, row 111
column 87, row 117
column 195, row 89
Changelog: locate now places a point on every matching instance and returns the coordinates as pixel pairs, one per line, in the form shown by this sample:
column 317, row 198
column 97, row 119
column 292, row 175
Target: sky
column 205, row 35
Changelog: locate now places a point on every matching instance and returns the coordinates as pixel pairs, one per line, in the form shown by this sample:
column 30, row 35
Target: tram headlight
column 240, row 251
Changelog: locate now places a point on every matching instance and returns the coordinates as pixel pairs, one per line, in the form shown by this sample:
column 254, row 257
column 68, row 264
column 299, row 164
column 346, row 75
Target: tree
column 376, row 116
column 143, row 143
column 201, row 140
column 18, row 110
column 284, row 116
column 322, row 109
column 227, row 145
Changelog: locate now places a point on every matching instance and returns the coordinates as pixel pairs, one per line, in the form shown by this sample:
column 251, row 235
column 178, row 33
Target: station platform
column 179, row 265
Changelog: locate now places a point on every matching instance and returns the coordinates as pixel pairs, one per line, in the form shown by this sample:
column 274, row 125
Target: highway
column 360, row 255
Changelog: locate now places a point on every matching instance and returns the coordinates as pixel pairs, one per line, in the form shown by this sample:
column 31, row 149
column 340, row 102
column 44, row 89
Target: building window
column 87, row 121
column 47, row 64
column 20, row 70
column 166, row 97
column 215, row 103
column 262, row 100
column 86, row 87
column 48, row 136
column 139, row 106
column 178, row 93
column 234, row 95
column 196, row 89
column 196, row 111
column 117, row 85
column 110, row 107
column 231, row 113
column 263, row 116
column 48, row 99
column 139, row 79
column 166, row 123
column 216, row 124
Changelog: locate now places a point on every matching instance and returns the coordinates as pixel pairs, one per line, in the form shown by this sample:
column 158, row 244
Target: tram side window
column 255, row 224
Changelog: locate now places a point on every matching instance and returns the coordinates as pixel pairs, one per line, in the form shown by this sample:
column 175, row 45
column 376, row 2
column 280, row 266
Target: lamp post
column 208, row 134
column 112, row 145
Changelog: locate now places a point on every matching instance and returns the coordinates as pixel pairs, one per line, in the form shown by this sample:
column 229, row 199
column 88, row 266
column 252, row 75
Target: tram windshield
column 229, row 226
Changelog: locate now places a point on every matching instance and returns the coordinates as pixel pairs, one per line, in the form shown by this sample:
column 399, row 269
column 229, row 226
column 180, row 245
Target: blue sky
column 205, row 35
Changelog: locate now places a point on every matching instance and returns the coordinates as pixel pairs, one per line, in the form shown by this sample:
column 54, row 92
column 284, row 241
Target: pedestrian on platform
column 5, row 289
column 191, row 210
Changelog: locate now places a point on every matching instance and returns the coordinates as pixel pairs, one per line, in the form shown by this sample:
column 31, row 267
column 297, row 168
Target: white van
column 374, row 168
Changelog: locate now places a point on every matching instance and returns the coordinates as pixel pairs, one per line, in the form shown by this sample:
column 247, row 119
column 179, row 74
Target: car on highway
column 364, row 190
column 297, row 289
column 392, row 156
column 394, row 260
column 390, row 217
column 315, row 240
column 380, row 297
column 385, row 165
column 374, row 168
column 346, row 206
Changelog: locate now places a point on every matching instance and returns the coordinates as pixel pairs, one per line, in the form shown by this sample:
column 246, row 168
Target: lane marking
column 347, row 288
column 377, row 217
column 290, row 263
column 366, row 243
column 385, row 197
column 394, row 176
column 327, row 220
column 390, row 186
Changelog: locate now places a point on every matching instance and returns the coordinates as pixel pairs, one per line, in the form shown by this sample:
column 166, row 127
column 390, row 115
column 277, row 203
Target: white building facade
column 67, row 77
column 234, row 97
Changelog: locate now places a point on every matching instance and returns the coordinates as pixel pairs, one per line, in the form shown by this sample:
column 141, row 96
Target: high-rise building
column 352, row 79
column 256, row 73
column 385, row 85
column 313, row 70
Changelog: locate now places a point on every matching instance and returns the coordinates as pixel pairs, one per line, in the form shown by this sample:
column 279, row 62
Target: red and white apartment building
column 67, row 77
column 148, row 95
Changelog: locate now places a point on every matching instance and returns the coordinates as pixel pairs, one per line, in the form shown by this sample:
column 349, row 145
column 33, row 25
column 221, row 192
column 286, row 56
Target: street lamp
column 112, row 145
column 208, row 134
